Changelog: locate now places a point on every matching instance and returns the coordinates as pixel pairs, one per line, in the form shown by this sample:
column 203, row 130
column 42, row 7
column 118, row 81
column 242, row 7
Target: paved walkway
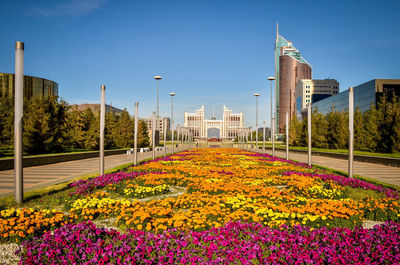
column 382, row 173
column 41, row 176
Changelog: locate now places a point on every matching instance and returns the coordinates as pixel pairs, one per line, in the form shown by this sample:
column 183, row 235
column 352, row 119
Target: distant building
column 159, row 125
column 364, row 95
column 313, row 90
column 34, row 87
column 227, row 128
column 290, row 68
column 96, row 108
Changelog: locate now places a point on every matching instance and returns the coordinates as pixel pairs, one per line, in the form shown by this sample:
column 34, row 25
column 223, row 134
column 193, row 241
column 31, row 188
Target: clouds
column 69, row 8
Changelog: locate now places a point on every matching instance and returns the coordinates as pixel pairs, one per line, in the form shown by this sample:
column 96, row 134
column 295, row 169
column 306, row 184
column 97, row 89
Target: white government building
column 227, row 128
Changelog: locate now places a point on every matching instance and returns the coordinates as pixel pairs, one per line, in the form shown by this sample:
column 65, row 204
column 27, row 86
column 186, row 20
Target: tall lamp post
column 256, row 95
column 172, row 119
column 157, row 78
column 272, row 78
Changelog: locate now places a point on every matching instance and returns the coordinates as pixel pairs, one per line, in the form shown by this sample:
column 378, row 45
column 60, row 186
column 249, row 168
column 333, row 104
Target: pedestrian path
column 379, row 172
column 41, row 176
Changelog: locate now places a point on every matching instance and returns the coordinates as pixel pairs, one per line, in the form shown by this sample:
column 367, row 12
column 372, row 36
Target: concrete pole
column 351, row 130
column 102, row 126
column 309, row 133
column 177, row 138
column 172, row 120
column 18, row 126
column 263, row 136
column 136, row 133
column 165, row 135
column 287, row 135
column 247, row 139
column 257, row 123
column 251, row 137
column 153, row 132
column 273, row 135
column 272, row 122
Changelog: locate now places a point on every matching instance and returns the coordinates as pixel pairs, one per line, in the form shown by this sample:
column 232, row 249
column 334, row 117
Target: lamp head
column 271, row 78
column 256, row 94
column 172, row 94
column 157, row 77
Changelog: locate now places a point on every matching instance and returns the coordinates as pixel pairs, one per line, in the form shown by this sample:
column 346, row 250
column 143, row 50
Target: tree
column 92, row 130
column 337, row 132
column 143, row 136
column 6, row 121
column 319, row 128
column 110, row 131
column 124, row 136
column 76, row 128
column 371, row 129
column 44, row 126
column 359, row 130
column 294, row 131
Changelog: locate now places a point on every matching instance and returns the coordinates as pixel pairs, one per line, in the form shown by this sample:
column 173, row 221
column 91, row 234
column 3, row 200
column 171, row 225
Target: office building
column 312, row 90
column 290, row 68
column 96, row 108
column 365, row 95
column 159, row 126
column 34, row 87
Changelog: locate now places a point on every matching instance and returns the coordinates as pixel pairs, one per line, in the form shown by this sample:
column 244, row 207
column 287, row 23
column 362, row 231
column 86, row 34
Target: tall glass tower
column 290, row 68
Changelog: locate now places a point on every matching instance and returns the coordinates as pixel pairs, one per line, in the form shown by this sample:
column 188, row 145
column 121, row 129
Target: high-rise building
column 160, row 124
column 312, row 90
column 290, row 68
column 34, row 87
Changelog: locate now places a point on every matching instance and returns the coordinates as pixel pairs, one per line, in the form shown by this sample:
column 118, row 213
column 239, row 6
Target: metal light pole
column 351, row 130
column 251, row 137
column 102, row 126
column 256, row 95
column 287, row 135
column 272, row 78
column 263, row 136
column 158, row 78
column 165, row 135
column 309, row 133
column 136, row 133
column 18, row 128
column 177, row 138
column 172, row 119
column 153, row 132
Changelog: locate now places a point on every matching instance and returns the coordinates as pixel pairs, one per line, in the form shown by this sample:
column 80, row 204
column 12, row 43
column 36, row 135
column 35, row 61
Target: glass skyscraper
column 290, row 68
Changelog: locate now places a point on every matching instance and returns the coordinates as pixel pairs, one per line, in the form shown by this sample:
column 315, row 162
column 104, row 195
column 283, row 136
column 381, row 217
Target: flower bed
column 235, row 242
column 226, row 189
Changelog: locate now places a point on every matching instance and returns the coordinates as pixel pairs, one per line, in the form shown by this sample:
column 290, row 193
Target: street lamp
column 272, row 78
column 158, row 78
column 256, row 95
column 172, row 119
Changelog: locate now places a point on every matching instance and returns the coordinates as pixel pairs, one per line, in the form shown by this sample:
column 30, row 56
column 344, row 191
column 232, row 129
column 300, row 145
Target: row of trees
column 51, row 125
column 375, row 130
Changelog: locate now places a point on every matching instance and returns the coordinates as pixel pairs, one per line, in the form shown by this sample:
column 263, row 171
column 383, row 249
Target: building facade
column 96, row 108
column 160, row 124
column 309, row 91
column 34, row 87
column 228, row 127
column 290, row 68
column 365, row 95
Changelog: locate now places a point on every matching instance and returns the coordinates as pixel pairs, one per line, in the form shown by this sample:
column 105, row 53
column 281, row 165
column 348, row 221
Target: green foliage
column 359, row 130
column 6, row 121
column 294, row 129
column 143, row 137
column 319, row 128
column 44, row 126
column 337, row 133
column 124, row 130
column 371, row 129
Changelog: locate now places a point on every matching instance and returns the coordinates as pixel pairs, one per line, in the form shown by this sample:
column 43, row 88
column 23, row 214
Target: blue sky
column 211, row 52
